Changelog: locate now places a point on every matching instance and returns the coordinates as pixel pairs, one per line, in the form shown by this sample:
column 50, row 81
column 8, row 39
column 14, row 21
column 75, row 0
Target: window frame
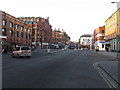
column 4, row 22
column 11, row 25
column 4, row 31
column 11, row 32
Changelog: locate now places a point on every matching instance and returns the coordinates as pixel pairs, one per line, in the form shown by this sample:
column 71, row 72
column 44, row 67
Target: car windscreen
column 25, row 48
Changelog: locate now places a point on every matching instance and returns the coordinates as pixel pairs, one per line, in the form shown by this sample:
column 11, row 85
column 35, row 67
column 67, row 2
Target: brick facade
column 16, row 32
column 41, row 30
column 60, row 38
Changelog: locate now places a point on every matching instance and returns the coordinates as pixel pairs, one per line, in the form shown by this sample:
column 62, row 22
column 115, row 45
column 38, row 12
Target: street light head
column 114, row 2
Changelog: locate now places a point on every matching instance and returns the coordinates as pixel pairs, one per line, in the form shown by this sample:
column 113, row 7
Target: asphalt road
column 65, row 69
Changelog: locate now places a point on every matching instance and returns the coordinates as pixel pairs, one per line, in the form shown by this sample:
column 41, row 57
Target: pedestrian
column 5, row 51
column 97, row 49
column 107, row 49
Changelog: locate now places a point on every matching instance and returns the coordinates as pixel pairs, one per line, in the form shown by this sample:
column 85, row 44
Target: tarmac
column 109, row 70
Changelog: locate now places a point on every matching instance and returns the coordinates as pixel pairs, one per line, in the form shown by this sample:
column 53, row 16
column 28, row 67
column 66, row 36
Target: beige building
column 112, row 31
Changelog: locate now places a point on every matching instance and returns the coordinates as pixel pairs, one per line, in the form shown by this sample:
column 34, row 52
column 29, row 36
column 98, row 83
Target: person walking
column 97, row 49
column 107, row 49
column 5, row 50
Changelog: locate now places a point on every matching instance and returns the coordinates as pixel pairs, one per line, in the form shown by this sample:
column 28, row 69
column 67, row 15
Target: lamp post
column 32, row 22
column 117, row 22
column 14, row 37
column 41, row 38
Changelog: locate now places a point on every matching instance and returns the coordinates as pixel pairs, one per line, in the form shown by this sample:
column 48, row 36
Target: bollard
column 49, row 51
column 75, row 49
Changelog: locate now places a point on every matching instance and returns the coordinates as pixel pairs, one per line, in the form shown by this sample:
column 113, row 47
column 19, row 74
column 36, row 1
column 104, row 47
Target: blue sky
column 76, row 17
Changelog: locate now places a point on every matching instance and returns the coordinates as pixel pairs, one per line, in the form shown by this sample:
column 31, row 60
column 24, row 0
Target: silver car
column 22, row 51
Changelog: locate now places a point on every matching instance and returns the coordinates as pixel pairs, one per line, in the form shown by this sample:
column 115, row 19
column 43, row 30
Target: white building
column 86, row 41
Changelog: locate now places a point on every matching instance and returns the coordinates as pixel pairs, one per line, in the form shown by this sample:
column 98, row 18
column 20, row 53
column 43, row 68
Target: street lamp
column 117, row 37
column 32, row 44
column 41, row 38
column 114, row 2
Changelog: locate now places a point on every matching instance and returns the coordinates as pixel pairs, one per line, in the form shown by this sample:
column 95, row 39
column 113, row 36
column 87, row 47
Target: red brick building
column 41, row 30
column 60, row 38
column 14, row 31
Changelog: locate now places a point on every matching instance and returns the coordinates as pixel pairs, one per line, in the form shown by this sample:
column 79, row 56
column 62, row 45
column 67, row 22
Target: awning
column 3, row 37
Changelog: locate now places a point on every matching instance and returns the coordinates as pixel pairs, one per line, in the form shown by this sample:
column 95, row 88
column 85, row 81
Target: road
column 64, row 69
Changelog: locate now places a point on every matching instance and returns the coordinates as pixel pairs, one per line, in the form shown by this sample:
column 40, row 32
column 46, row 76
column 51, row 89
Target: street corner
column 110, row 76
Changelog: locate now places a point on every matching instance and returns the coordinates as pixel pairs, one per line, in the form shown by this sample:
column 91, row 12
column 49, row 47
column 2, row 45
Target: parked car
column 71, row 47
column 22, row 51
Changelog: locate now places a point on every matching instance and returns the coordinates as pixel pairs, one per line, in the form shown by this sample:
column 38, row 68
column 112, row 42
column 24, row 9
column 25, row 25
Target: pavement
column 109, row 69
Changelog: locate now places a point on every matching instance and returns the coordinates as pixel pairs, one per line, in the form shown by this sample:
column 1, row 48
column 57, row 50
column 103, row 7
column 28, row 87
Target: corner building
column 60, row 39
column 41, row 30
column 112, row 31
column 99, row 38
column 86, row 41
column 14, row 32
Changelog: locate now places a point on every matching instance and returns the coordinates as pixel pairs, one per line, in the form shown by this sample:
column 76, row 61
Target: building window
column 22, row 35
column 11, row 24
column 17, row 33
column 29, row 36
column 4, row 22
column 22, row 28
column 26, row 22
column 26, row 29
column 16, row 26
column 26, row 36
column 103, row 31
column 3, row 31
column 103, row 38
column 11, row 33
column 30, row 22
column 34, row 22
column 88, row 42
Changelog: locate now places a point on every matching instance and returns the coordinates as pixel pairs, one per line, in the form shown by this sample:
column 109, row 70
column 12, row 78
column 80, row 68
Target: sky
column 76, row 17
